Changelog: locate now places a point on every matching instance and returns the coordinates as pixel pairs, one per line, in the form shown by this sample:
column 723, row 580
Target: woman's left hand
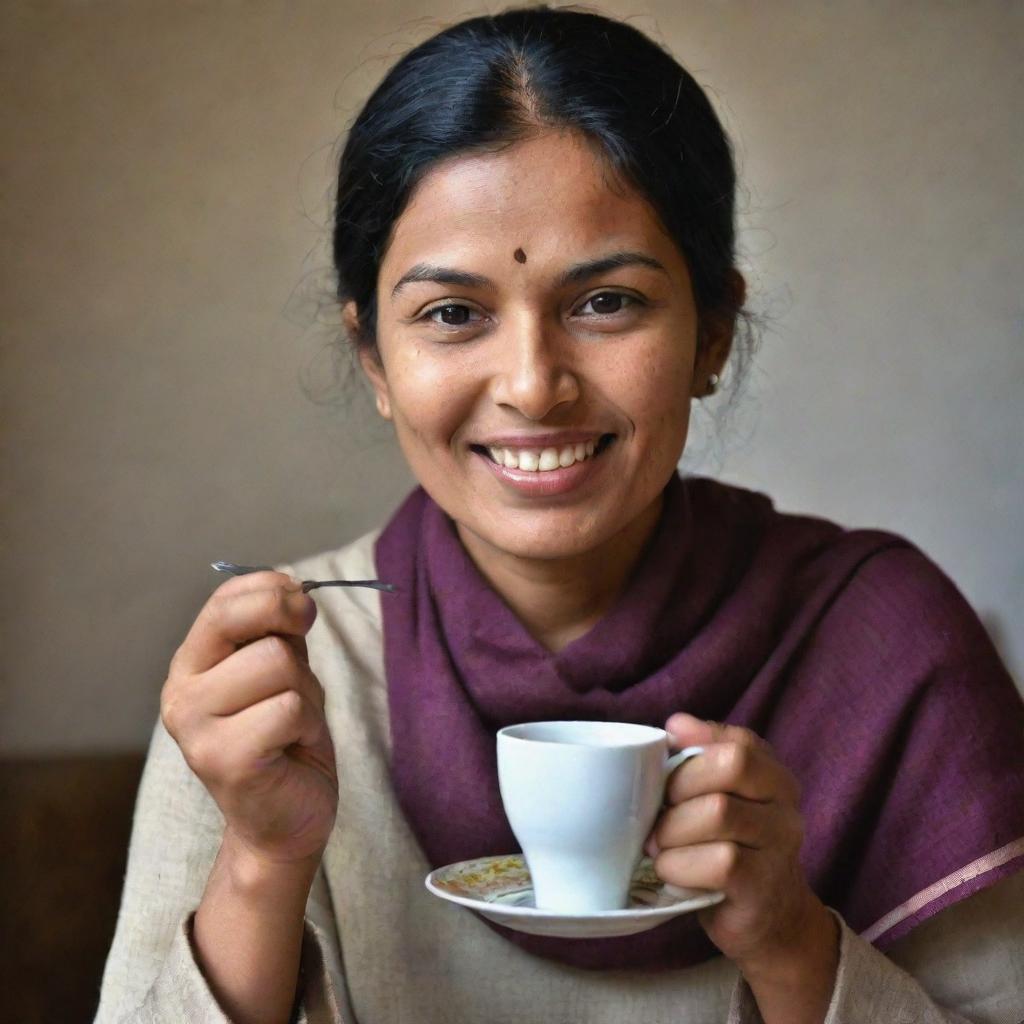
column 733, row 823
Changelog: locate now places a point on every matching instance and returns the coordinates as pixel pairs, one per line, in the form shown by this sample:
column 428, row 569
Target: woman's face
column 499, row 342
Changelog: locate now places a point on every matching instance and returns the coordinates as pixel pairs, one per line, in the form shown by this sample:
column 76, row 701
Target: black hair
column 492, row 80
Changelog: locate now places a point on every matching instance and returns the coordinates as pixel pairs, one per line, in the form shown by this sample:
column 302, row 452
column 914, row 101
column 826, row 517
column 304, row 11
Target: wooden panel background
column 65, row 823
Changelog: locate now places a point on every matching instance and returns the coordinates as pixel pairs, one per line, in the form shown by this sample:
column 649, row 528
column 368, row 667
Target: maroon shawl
column 849, row 651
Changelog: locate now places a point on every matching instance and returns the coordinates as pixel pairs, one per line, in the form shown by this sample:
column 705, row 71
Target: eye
column 610, row 303
column 453, row 314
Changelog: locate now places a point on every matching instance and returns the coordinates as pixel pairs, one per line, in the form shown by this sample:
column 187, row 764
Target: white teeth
column 548, row 459
column 534, row 460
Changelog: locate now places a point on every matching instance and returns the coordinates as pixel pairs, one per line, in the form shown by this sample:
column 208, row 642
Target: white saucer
column 499, row 889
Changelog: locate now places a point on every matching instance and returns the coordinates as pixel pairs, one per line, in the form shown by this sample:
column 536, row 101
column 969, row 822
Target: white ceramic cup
column 581, row 798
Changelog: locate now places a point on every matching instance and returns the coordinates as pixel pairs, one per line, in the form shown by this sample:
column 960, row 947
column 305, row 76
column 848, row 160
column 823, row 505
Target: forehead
column 551, row 195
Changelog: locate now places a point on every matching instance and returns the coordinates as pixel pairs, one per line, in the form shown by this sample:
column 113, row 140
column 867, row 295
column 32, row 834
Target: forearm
column 248, row 933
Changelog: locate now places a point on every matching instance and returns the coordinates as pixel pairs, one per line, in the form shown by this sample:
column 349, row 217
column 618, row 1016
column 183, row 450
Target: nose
column 533, row 373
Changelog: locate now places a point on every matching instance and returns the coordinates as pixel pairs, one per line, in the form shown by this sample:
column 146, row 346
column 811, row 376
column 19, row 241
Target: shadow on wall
column 66, row 823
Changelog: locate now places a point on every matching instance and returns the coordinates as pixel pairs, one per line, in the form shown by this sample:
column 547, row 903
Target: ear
column 350, row 318
column 374, row 370
column 369, row 360
column 714, row 337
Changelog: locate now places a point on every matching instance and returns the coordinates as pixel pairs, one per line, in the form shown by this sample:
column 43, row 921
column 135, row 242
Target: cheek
column 429, row 397
column 655, row 390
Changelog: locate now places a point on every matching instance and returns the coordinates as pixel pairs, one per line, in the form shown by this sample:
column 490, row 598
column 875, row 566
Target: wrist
column 811, row 941
column 260, row 877
column 797, row 972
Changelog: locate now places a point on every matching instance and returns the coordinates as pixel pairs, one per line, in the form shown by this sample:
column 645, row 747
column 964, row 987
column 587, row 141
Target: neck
column 558, row 600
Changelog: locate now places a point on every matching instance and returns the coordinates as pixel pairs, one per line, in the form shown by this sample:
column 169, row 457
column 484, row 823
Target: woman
column 534, row 242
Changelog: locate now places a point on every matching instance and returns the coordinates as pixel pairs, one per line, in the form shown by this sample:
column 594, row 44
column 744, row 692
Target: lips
column 546, row 483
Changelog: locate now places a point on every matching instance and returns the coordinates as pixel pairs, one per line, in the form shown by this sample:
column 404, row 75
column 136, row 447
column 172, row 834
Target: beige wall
column 165, row 168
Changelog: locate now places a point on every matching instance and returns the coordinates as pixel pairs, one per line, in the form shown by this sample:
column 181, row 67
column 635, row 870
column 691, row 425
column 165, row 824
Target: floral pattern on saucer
column 499, row 889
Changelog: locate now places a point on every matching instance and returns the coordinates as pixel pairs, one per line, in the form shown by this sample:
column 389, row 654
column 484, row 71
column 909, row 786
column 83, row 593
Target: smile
column 545, row 460
column 529, row 475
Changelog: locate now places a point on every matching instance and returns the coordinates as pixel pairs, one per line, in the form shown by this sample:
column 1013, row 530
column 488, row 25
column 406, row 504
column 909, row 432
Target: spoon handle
column 239, row 570
column 308, row 585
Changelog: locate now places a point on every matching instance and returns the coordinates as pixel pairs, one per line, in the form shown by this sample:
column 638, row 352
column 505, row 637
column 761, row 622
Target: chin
column 540, row 542
column 542, row 550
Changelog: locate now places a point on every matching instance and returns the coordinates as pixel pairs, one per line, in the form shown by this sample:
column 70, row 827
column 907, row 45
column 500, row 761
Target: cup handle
column 677, row 759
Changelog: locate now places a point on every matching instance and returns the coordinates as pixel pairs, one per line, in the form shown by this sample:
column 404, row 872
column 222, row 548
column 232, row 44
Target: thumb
column 687, row 730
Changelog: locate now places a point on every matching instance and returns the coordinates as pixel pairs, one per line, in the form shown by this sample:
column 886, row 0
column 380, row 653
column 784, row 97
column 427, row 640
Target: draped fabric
column 848, row 650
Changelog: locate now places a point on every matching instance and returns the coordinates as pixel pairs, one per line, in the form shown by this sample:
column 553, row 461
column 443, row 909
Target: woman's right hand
column 247, row 712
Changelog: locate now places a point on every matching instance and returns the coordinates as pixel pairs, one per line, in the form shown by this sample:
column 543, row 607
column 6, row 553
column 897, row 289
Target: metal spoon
column 307, row 585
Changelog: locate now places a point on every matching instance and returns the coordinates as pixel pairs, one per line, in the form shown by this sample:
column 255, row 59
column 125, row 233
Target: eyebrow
column 576, row 273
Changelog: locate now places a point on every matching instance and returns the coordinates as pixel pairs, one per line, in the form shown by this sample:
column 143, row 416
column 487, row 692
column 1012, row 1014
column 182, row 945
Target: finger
column 718, row 817
column 233, row 752
column 751, row 772
column 262, row 580
column 230, row 619
column 253, row 673
column 717, row 865
column 689, row 731
column 266, row 666
column 270, row 727
column 250, row 581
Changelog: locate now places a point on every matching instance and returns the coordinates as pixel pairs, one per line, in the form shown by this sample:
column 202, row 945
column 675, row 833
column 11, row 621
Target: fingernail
column 651, row 848
column 293, row 584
